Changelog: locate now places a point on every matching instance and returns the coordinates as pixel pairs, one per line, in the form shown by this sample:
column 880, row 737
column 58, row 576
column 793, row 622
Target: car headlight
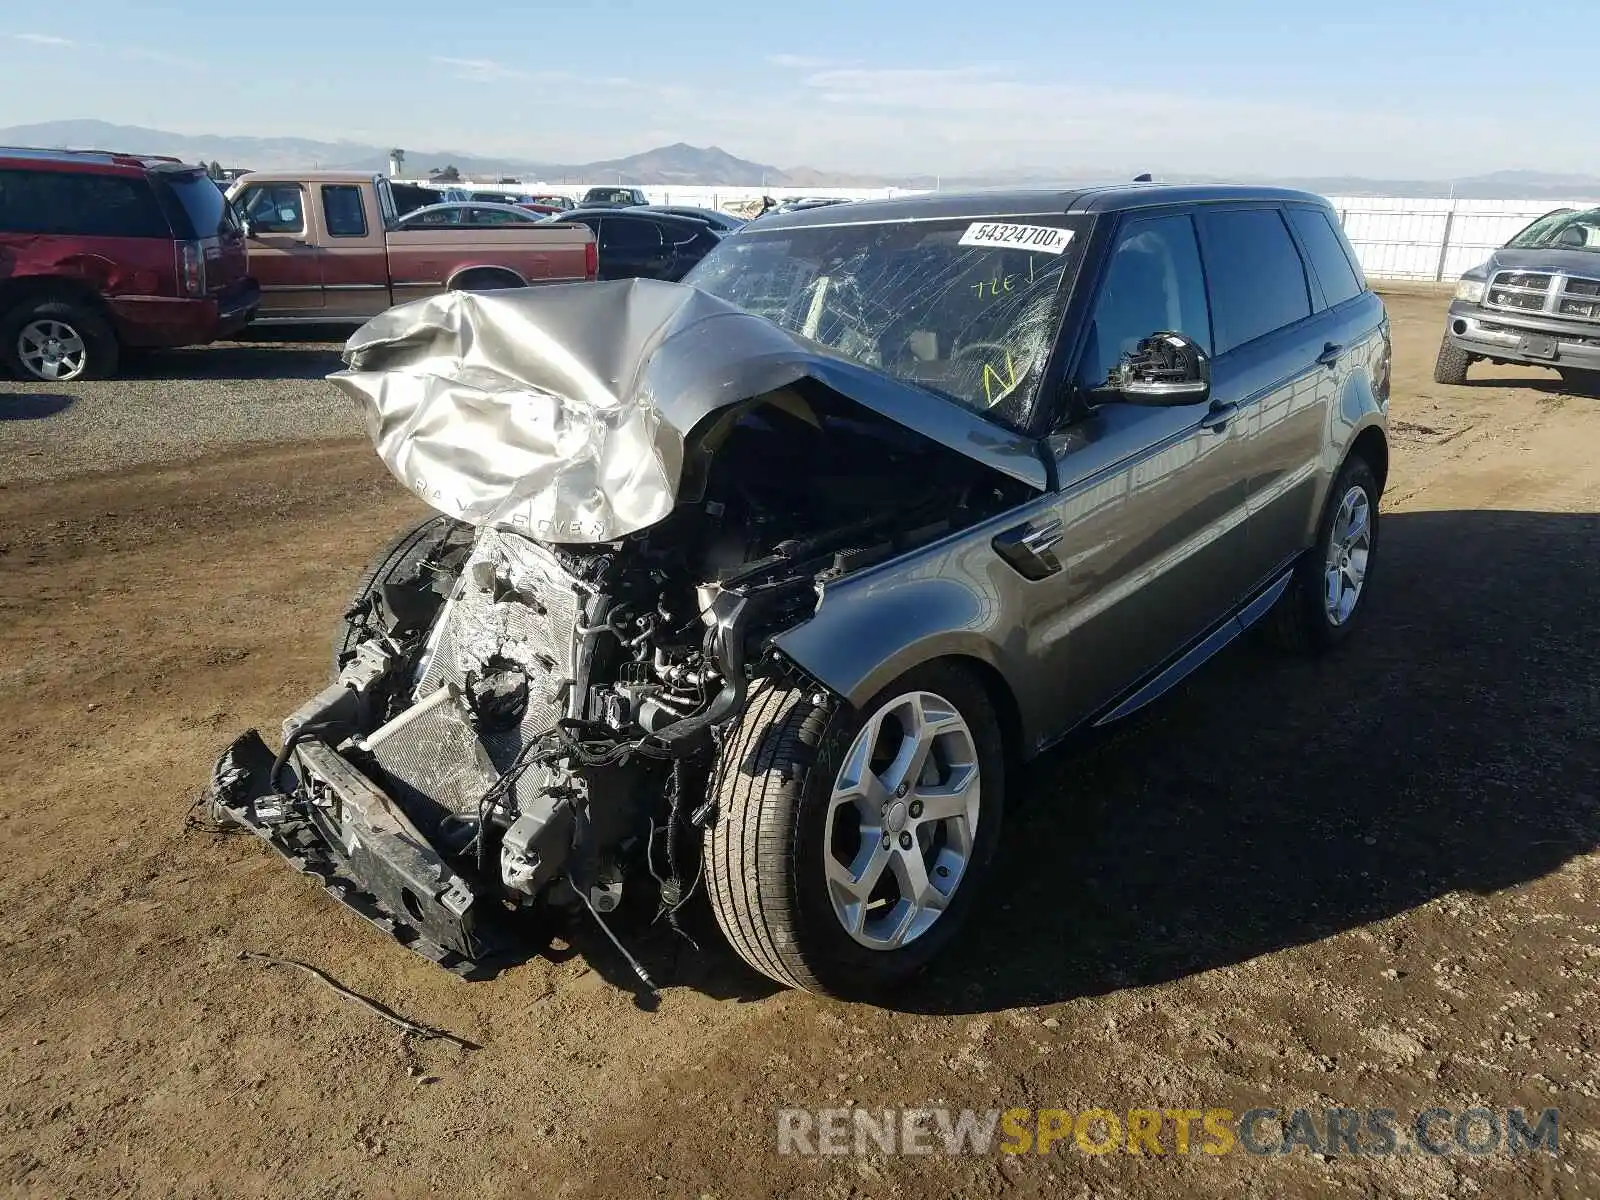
column 1471, row 290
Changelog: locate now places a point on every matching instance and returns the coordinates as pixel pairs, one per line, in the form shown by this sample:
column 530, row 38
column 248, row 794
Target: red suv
column 100, row 251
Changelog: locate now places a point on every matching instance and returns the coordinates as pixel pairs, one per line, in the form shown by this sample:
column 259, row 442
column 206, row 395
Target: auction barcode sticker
column 1043, row 239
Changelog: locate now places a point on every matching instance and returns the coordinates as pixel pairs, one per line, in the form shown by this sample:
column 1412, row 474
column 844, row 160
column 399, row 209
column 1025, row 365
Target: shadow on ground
column 1551, row 384
column 1275, row 802
column 33, row 406
column 302, row 353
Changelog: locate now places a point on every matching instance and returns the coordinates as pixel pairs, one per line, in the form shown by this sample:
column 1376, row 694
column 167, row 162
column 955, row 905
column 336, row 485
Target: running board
column 1201, row 652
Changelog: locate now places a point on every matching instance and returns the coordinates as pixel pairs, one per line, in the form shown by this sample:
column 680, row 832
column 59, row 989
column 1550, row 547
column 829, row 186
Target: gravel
column 173, row 404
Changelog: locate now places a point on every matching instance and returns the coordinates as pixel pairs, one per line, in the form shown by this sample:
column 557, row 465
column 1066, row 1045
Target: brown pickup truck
column 324, row 247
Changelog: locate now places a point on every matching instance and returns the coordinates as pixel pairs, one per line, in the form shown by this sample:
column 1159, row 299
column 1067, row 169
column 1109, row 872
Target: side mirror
column 1164, row 368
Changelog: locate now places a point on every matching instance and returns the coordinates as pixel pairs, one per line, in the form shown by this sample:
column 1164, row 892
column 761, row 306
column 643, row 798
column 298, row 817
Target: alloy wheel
column 901, row 820
column 52, row 350
column 1349, row 547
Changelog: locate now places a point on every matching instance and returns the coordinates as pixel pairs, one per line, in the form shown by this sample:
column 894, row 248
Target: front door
column 1151, row 507
column 282, row 257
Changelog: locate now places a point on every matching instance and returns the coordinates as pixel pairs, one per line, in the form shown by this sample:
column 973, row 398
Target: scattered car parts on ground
column 762, row 584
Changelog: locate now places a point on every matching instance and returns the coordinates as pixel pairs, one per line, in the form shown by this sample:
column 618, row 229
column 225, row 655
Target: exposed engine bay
column 520, row 722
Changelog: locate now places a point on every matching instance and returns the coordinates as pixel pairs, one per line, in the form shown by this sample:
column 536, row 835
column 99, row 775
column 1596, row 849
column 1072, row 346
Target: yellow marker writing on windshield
column 994, row 287
column 993, row 379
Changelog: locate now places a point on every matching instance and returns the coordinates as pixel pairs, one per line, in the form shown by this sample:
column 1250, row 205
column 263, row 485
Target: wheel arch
column 1372, row 445
column 461, row 275
column 30, row 289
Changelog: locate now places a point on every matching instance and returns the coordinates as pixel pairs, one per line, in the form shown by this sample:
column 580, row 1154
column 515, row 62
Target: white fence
column 1433, row 239
column 1394, row 237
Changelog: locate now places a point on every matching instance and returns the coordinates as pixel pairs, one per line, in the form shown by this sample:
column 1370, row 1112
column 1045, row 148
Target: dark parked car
column 641, row 243
column 759, row 585
column 469, row 216
column 1536, row 301
column 612, row 197
column 720, row 221
column 100, row 251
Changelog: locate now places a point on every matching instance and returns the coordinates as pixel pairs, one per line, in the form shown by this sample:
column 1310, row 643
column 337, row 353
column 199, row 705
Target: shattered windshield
column 1564, row 230
column 966, row 308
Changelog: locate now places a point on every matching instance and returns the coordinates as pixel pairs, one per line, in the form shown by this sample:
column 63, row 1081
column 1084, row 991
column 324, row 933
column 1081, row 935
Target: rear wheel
column 848, row 844
column 485, row 281
column 409, row 561
column 57, row 341
column 1451, row 365
column 1328, row 592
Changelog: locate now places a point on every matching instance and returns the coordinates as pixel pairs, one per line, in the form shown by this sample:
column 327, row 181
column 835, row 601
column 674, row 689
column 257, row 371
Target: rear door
column 1350, row 341
column 283, row 258
column 1268, row 342
column 631, row 248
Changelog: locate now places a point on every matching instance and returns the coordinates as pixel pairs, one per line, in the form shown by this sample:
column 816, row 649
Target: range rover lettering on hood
column 571, row 411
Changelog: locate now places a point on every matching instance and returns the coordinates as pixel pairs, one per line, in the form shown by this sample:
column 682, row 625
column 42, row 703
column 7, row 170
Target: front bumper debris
column 335, row 825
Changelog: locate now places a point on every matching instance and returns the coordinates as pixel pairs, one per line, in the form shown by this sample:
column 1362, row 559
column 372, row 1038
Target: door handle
column 1330, row 353
column 1219, row 416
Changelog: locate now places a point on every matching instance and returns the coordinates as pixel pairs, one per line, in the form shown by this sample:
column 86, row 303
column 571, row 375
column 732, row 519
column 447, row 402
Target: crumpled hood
column 566, row 410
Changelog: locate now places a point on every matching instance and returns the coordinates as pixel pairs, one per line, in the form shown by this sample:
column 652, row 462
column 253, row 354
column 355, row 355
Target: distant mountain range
column 686, row 165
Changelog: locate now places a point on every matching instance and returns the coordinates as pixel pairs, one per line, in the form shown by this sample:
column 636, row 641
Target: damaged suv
column 760, row 583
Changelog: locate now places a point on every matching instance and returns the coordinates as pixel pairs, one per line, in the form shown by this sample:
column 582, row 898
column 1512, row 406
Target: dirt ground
column 1365, row 881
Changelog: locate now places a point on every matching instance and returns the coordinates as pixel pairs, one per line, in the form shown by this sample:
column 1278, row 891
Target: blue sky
column 1406, row 88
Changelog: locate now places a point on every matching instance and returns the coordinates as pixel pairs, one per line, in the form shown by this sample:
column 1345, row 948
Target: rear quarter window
column 1325, row 248
column 201, row 203
column 74, row 204
column 1254, row 275
column 343, row 212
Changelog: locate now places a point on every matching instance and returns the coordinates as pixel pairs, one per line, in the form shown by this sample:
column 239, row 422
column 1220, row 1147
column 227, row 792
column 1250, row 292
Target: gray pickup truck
column 755, row 587
column 1536, row 301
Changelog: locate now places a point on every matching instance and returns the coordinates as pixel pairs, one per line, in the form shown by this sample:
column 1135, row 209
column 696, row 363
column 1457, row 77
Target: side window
column 623, row 236
column 1256, row 279
column 1153, row 284
column 1325, row 248
column 274, row 207
column 343, row 210
column 78, row 204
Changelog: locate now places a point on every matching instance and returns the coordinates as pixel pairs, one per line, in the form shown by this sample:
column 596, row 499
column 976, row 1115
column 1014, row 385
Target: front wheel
column 1329, row 589
column 1452, row 363
column 1580, row 379
column 431, row 549
column 849, row 843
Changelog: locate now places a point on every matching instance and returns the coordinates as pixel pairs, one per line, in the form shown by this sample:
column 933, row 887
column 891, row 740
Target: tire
column 400, row 560
column 1301, row 621
column 1451, row 365
column 485, row 281
column 1581, row 380
column 57, row 341
column 766, row 852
